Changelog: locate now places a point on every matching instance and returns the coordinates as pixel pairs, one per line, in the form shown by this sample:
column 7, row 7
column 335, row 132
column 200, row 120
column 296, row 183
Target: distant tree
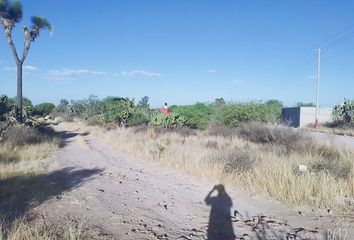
column 64, row 102
column 144, row 103
column 218, row 102
column 274, row 102
column 63, row 106
column 301, row 104
column 26, row 101
column 11, row 13
column 43, row 109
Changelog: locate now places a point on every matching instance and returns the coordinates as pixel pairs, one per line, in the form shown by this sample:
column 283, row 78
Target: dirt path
column 131, row 199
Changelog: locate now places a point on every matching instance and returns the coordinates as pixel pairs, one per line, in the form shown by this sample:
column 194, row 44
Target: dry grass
column 23, row 160
column 39, row 230
column 266, row 167
column 20, row 155
column 22, row 148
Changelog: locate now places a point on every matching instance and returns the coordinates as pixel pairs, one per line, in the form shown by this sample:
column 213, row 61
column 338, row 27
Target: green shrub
column 138, row 118
column 232, row 115
column 43, row 109
column 197, row 116
column 118, row 110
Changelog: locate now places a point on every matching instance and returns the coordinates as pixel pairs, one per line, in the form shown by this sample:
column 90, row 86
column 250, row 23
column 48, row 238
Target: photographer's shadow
column 220, row 225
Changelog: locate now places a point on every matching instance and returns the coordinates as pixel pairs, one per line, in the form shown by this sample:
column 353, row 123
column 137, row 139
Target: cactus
column 344, row 113
column 168, row 121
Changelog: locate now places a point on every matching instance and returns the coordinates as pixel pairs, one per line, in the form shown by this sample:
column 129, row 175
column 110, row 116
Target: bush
column 118, row 110
column 337, row 166
column 18, row 136
column 278, row 135
column 138, row 118
column 43, row 109
column 236, row 160
column 197, row 116
column 233, row 115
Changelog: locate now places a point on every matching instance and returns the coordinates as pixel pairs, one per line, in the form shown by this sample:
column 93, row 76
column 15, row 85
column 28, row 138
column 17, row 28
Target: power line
column 338, row 54
column 339, row 41
column 325, row 42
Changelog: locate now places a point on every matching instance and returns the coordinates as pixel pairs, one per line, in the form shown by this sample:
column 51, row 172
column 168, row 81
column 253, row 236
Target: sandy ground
column 134, row 199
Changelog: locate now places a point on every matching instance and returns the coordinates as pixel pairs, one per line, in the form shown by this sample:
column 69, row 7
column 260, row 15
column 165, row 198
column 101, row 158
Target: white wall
column 307, row 115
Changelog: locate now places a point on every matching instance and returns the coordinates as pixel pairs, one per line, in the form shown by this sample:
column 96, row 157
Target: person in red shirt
column 165, row 110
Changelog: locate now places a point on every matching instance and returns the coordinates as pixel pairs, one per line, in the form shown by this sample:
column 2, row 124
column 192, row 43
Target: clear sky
column 186, row 51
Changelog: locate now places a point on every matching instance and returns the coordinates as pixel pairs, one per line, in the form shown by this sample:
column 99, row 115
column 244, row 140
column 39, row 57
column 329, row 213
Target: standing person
column 165, row 110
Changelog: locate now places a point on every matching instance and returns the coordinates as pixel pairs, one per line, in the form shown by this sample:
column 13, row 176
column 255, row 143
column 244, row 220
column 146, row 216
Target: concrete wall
column 307, row 115
column 303, row 116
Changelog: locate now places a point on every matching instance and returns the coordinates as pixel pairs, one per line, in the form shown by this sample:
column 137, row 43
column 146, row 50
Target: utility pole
column 317, row 121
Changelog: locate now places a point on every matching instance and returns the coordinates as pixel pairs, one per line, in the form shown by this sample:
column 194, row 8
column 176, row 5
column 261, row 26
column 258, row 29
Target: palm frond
column 41, row 23
column 3, row 8
column 38, row 24
column 15, row 12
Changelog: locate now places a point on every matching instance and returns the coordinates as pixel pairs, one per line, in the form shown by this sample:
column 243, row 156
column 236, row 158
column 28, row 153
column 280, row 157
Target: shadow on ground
column 21, row 193
column 222, row 225
column 66, row 136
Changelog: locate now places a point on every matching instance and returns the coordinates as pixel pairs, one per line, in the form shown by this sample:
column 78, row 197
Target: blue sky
column 185, row 51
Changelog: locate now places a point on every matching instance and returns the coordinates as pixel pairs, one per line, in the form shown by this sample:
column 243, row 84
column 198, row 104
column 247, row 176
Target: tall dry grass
column 250, row 159
column 21, row 151
column 40, row 230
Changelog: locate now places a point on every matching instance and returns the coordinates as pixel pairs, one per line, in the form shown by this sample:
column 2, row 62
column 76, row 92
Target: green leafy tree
column 197, row 116
column 301, row 104
column 274, row 109
column 235, row 114
column 63, row 106
column 144, row 103
column 218, row 102
column 43, row 109
column 11, row 13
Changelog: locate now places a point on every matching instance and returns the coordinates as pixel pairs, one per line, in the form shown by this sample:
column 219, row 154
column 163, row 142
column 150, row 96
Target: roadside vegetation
column 343, row 120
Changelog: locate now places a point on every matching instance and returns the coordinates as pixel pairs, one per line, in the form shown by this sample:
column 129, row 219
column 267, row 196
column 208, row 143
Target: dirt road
column 132, row 199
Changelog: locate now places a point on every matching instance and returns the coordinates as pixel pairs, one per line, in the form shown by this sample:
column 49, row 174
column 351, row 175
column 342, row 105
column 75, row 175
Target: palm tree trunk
column 19, row 101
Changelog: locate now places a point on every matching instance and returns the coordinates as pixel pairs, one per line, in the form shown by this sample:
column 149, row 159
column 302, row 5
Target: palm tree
column 11, row 13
